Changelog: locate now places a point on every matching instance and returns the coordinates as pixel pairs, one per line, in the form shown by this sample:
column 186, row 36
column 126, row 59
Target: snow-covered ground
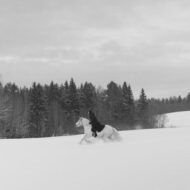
column 178, row 119
column 154, row 159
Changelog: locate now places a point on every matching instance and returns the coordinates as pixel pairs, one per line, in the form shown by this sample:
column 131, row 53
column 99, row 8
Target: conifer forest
column 52, row 110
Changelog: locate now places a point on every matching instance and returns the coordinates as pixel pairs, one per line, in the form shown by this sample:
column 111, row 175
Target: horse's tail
column 116, row 135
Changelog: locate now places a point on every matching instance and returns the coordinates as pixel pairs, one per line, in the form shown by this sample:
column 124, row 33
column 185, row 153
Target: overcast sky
column 143, row 42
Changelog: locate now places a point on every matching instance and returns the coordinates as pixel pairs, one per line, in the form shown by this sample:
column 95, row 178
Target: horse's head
column 79, row 122
column 82, row 122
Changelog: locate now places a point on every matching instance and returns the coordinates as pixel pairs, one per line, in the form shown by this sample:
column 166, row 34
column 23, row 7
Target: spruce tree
column 187, row 101
column 53, row 93
column 143, row 110
column 82, row 99
column 65, row 103
column 73, row 104
column 114, row 101
column 88, row 96
column 128, row 104
column 73, row 97
column 38, row 111
column 65, row 99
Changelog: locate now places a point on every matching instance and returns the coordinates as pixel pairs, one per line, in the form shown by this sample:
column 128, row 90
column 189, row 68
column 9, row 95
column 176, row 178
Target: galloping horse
column 109, row 133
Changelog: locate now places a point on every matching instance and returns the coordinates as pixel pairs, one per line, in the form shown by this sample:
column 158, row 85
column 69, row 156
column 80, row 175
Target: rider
column 96, row 125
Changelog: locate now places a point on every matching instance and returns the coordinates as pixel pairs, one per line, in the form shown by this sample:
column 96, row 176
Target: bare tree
column 161, row 120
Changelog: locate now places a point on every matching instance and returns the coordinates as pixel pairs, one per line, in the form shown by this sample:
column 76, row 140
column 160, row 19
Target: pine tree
column 87, row 96
column 73, row 97
column 72, row 104
column 187, row 101
column 38, row 111
column 101, row 106
column 114, row 101
column 179, row 100
column 5, row 117
column 188, row 97
column 11, row 89
column 65, row 99
column 68, row 114
column 143, row 110
column 128, row 104
column 53, row 93
column 24, row 117
column 82, row 103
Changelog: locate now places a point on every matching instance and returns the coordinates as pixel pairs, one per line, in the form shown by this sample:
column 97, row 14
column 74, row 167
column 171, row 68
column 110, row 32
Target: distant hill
column 178, row 119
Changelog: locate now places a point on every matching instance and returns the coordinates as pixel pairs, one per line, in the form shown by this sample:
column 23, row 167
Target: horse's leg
column 88, row 141
column 104, row 136
column 84, row 138
column 115, row 135
column 112, row 136
column 108, row 134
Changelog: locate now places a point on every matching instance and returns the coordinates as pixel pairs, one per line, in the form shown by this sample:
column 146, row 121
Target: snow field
column 155, row 159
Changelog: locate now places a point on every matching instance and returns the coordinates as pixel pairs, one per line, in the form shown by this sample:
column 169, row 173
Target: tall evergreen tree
column 65, row 104
column 87, row 96
column 65, row 99
column 53, row 93
column 5, row 117
column 38, row 111
column 82, row 104
column 101, row 105
column 71, row 105
column 128, row 104
column 11, row 89
column 24, row 117
column 114, row 101
column 143, row 110
column 73, row 97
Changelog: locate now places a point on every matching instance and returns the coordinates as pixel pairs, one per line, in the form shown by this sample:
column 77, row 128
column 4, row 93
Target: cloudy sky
column 143, row 42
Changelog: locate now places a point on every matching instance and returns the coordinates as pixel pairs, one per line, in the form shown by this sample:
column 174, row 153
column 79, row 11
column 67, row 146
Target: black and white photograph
column 95, row 94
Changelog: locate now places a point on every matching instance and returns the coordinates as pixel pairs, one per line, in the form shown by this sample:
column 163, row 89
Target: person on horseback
column 96, row 125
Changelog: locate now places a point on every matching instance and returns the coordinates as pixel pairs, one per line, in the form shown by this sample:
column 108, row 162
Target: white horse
column 108, row 133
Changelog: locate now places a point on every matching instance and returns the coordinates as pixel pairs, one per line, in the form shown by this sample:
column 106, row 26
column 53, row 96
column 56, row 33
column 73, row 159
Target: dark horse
column 96, row 125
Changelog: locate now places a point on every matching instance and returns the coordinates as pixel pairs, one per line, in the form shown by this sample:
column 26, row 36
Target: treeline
column 52, row 110
column 168, row 105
